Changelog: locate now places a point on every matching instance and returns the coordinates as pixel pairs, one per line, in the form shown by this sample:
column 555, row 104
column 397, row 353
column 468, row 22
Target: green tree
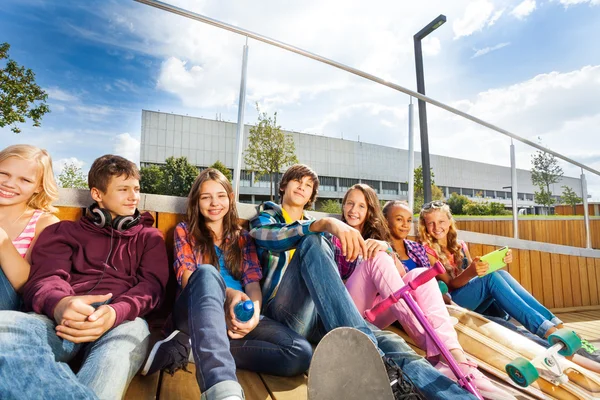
column 436, row 192
column 218, row 165
column 330, row 206
column 457, row 202
column 570, row 197
column 20, row 96
column 175, row 178
column 544, row 172
column 269, row 149
column 72, row 177
column 152, row 179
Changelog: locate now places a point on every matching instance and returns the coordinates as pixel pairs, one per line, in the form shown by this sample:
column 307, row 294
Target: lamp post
column 433, row 25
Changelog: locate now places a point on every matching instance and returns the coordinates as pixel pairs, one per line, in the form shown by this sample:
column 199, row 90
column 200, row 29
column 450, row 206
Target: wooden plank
column 565, row 272
column 557, row 285
column 294, row 388
column 583, row 277
column 514, row 267
column 597, row 271
column 476, row 250
column 536, row 275
column 254, row 388
column 69, row 213
column 181, row 386
column 166, row 222
column 575, row 282
column 525, row 271
column 547, row 280
column 143, row 387
column 592, row 282
column 575, row 310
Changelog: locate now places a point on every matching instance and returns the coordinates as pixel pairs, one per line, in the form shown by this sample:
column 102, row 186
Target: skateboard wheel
column 522, row 372
column 443, row 287
column 569, row 339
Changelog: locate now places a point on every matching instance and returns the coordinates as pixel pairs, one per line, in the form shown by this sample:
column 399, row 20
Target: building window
column 390, row 188
column 265, row 181
column 453, row 190
column 501, row 195
column 529, row 196
column 468, row 192
column 327, row 183
column 246, row 178
column 489, row 194
column 373, row 184
column 346, row 183
column 521, row 196
column 404, row 188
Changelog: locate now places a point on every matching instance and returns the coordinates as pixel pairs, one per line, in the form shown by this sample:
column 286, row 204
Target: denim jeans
column 511, row 296
column 34, row 359
column 9, row 298
column 270, row 347
column 312, row 300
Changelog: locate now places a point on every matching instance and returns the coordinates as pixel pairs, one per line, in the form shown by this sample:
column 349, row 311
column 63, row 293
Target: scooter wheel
column 569, row 339
column 522, row 372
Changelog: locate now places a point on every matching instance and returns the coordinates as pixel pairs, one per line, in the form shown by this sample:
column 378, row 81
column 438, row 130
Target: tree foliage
column 436, row 192
column 20, row 96
column 330, row 206
column 570, row 197
column 218, row 165
column 175, row 178
column 545, row 171
column 72, row 177
column 457, row 202
column 269, row 149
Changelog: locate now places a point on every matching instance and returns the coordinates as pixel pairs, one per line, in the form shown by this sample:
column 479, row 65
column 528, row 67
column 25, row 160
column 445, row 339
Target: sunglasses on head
column 433, row 204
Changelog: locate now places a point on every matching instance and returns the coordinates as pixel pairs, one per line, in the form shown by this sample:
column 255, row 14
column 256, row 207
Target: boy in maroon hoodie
column 91, row 281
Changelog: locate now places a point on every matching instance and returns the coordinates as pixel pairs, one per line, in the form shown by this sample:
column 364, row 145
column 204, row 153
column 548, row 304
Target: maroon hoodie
column 74, row 258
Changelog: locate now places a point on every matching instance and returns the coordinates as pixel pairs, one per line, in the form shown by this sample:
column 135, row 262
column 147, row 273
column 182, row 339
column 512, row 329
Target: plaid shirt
column 187, row 256
column 274, row 239
column 415, row 251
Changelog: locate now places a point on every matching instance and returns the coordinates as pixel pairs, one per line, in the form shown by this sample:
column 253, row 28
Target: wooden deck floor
column 183, row 386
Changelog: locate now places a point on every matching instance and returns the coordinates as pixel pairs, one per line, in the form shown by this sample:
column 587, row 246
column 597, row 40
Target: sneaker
column 588, row 350
column 402, row 387
column 170, row 354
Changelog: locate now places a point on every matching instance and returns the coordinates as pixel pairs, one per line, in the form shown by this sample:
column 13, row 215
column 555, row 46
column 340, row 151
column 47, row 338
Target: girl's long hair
column 375, row 226
column 452, row 245
column 44, row 198
column 204, row 236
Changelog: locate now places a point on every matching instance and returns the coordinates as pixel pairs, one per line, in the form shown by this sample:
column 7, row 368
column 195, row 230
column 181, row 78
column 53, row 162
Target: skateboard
column 524, row 372
column 346, row 365
column 498, row 346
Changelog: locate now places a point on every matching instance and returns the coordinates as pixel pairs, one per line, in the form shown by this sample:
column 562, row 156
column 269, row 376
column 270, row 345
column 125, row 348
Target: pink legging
column 377, row 278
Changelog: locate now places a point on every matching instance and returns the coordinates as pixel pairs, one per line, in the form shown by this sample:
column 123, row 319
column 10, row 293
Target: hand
column 235, row 328
column 508, row 258
column 77, row 308
column 100, row 321
column 352, row 242
column 375, row 246
column 447, row 299
column 478, row 267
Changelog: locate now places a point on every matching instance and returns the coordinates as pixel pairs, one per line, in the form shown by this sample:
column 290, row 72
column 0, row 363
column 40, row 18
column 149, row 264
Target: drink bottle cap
column 248, row 305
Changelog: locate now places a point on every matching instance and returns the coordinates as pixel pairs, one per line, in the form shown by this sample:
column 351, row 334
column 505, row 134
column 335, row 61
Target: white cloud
column 568, row 3
column 477, row 15
column 495, row 17
column 431, row 46
column 127, row 146
column 58, row 165
column 523, row 9
column 55, row 93
column 486, row 50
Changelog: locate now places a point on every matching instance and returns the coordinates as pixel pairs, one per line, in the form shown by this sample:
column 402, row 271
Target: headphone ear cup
column 99, row 216
column 122, row 223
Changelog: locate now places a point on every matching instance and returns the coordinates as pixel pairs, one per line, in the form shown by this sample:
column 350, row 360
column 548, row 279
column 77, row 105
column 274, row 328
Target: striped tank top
column 23, row 241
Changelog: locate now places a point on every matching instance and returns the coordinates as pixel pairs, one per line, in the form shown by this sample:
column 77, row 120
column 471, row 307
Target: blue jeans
column 312, row 300
column 34, row 359
column 511, row 296
column 9, row 298
column 269, row 348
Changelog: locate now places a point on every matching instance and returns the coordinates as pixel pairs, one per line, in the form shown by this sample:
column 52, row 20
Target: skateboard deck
column 497, row 346
column 346, row 365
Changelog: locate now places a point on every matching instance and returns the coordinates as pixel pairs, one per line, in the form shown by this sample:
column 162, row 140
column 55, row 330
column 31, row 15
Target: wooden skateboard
column 346, row 365
column 498, row 346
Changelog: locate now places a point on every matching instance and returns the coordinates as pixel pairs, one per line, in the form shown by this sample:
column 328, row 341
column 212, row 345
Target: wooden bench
column 572, row 281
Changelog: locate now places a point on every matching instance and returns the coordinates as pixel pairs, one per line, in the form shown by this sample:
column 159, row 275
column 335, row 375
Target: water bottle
column 244, row 310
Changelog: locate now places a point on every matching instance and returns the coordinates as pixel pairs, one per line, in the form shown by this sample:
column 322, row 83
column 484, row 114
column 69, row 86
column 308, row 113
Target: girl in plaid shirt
column 217, row 267
column 384, row 272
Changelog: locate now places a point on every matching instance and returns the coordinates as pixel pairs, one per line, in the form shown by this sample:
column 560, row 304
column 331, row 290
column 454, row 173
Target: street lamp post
column 433, row 25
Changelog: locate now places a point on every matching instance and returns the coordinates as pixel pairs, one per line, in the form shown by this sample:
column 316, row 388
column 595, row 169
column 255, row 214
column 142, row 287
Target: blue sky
column 532, row 67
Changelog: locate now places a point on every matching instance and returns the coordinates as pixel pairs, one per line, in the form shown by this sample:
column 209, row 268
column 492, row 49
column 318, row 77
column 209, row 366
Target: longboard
column 498, row 346
column 346, row 365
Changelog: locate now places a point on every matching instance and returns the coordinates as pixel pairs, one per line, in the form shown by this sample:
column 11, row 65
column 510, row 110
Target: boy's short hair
column 108, row 166
column 297, row 172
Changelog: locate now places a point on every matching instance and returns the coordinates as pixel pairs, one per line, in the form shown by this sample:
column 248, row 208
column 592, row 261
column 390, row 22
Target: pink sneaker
column 486, row 388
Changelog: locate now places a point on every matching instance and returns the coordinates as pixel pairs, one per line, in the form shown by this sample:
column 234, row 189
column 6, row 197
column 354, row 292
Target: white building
column 339, row 163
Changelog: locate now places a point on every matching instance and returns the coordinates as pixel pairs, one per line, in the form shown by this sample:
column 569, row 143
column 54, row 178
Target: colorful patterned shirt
column 188, row 256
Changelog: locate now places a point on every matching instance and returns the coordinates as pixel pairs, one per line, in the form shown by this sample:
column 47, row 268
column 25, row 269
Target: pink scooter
column 404, row 294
